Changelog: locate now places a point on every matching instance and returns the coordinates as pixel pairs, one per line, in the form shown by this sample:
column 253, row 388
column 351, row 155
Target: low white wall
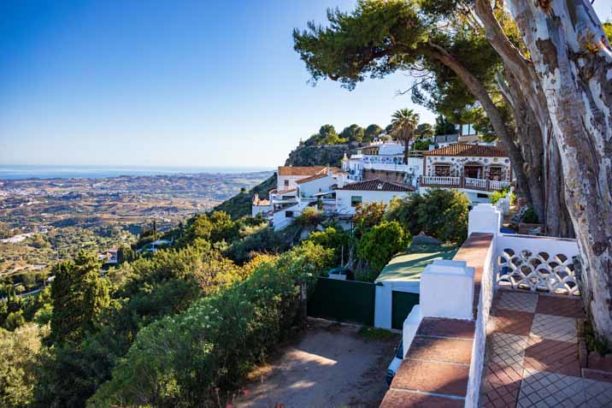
column 343, row 198
column 485, row 300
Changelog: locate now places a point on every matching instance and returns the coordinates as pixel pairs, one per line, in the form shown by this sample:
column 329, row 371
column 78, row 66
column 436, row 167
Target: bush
column 333, row 238
column 378, row 245
column 530, row 216
column 184, row 360
column 440, row 213
column 367, row 216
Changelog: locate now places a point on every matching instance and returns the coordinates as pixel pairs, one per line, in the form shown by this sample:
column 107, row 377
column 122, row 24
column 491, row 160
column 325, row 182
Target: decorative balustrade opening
column 537, row 264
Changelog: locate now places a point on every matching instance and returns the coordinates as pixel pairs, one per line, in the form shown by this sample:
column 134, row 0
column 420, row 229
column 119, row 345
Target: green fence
column 343, row 300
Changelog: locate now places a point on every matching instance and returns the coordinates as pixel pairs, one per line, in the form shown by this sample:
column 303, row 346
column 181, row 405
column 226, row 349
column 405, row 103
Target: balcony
column 463, row 182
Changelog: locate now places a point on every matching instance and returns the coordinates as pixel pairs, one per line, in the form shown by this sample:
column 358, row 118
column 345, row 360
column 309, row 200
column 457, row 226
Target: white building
column 349, row 197
column 476, row 170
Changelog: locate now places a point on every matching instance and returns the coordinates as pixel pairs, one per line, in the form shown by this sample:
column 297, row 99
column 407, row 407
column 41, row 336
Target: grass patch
column 374, row 333
column 593, row 341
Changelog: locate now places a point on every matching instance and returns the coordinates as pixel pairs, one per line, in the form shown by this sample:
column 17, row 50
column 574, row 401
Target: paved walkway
column 533, row 357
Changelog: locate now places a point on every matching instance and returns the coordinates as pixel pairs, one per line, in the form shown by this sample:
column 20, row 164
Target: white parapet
column 447, row 290
column 410, row 327
column 484, row 218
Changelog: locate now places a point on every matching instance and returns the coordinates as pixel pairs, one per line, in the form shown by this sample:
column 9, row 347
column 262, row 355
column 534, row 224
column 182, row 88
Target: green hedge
column 197, row 357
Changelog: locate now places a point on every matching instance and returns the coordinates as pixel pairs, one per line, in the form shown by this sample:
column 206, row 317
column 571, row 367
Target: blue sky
column 169, row 83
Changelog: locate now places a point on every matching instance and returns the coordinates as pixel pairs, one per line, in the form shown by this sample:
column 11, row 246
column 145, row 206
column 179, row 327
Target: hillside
column 240, row 204
column 320, row 155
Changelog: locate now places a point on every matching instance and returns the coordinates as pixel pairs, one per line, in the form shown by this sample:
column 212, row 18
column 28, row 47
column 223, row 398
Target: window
column 442, row 170
column 481, row 195
column 286, row 183
column 495, row 173
column 288, row 214
column 355, row 201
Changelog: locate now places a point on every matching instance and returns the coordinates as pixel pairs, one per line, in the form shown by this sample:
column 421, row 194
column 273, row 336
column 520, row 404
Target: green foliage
column 444, row 126
column 378, row 245
column 309, row 218
column 530, row 216
column 375, row 39
column 327, row 135
column 215, row 227
column 79, row 295
column 374, row 333
column 607, row 27
column 424, row 131
column 333, row 238
column 440, row 213
column 144, row 291
column 183, row 360
column 368, row 215
column 422, row 144
column 372, row 132
column 265, row 240
column 18, row 353
column 353, row 133
column 497, row 195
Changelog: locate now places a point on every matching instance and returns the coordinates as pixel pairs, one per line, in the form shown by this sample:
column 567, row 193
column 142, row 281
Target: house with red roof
column 477, row 170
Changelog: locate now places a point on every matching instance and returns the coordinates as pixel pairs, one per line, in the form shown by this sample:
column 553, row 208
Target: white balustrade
column 543, row 264
column 498, row 184
column 387, row 167
column 475, row 183
column 441, row 180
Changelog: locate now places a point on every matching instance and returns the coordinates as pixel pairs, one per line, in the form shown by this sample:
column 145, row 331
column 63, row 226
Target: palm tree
column 403, row 125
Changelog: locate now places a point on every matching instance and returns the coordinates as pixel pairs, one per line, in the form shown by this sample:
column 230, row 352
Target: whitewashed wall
column 343, row 198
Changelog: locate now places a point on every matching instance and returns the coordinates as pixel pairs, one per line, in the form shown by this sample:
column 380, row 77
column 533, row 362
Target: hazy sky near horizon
column 165, row 83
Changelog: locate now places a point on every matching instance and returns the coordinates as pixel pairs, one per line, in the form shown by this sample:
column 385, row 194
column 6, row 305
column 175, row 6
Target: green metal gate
column 402, row 303
column 343, row 300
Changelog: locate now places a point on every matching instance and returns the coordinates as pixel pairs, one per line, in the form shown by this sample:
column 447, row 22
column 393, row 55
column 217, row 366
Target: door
column 401, row 306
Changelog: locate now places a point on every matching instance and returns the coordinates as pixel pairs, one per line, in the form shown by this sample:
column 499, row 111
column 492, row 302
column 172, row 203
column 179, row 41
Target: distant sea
column 20, row 172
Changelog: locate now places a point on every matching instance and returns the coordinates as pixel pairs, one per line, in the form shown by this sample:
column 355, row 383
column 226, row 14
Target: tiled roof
column 468, row 150
column 311, row 178
column 376, row 185
column 300, row 170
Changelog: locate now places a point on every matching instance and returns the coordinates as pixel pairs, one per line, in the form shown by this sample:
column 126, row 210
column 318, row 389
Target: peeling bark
column 573, row 62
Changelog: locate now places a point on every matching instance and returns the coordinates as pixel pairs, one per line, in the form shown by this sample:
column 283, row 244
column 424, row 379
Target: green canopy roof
column 408, row 266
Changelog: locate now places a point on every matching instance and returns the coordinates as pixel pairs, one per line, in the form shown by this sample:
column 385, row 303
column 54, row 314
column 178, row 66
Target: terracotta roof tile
column 468, row 150
column 300, row 170
column 376, row 185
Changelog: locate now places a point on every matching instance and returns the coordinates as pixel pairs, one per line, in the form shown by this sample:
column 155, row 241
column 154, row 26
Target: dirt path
column 329, row 366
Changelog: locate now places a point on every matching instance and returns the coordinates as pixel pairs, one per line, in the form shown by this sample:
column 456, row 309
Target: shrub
column 378, row 245
column 367, row 216
column 440, row 213
column 333, row 238
column 185, row 359
column 530, row 216
column 309, row 218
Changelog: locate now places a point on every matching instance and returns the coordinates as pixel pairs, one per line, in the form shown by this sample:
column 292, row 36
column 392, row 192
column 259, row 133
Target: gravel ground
column 329, row 365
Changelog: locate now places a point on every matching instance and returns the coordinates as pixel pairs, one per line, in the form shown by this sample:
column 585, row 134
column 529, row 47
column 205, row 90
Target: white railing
column 441, row 180
column 543, row 264
column 475, row 182
column 498, row 184
column 387, row 167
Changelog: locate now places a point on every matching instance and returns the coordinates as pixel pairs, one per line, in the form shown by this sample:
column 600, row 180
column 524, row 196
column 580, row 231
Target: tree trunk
column 573, row 62
column 525, row 88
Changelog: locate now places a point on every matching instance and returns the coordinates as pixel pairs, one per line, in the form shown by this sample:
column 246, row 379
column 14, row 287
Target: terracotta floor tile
column 427, row 376
column 404, row 399
column 441, row 349
column 431, row 326
column 513, row 322
column 555, row 328
column 552, row 356
column 560, row 306
column 513, row 300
